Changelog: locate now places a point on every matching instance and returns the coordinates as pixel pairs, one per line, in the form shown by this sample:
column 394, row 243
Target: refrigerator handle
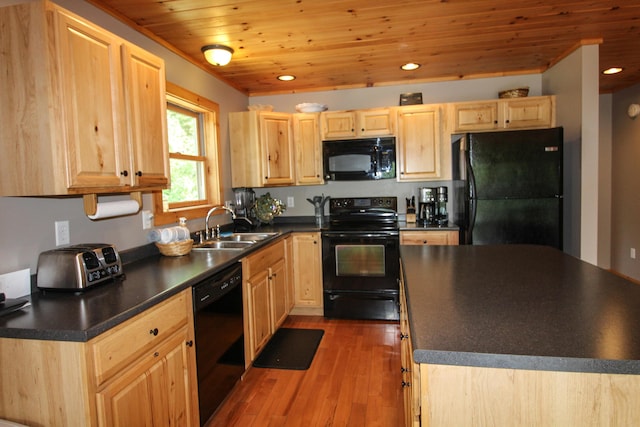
column 472, row 195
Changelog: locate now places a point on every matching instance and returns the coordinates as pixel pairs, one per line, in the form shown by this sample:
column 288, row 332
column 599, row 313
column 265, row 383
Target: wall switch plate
column 632, row 253
column 290, row 202
column 16, row 284
column 62, row 233
column 147, row 220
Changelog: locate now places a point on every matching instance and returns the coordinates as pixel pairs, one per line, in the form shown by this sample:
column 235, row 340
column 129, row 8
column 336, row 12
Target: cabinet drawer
column 120, row 346
column 263, row 259
column 429, row 238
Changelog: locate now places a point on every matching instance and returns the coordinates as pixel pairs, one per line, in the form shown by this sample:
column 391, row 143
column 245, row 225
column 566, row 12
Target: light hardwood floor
column 354, row 380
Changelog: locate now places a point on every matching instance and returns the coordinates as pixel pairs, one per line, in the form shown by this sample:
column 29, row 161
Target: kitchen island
column 520, row 335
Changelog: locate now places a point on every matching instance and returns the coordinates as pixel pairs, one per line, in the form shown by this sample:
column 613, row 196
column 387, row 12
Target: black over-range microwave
column 359, row 159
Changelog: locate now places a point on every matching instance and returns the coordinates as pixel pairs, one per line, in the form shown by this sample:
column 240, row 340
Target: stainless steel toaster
column 78, row 267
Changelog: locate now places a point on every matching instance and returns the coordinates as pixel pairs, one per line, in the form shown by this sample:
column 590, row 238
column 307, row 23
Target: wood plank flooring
column 354, row 380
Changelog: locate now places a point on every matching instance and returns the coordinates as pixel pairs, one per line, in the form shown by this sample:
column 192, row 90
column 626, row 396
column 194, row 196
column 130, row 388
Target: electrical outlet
column 62, row 233
column 147, row 220
column 632, row 253
column 290, row 202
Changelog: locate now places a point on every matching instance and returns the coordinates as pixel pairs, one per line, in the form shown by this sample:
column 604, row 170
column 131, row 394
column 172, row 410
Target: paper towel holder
column 91, row 202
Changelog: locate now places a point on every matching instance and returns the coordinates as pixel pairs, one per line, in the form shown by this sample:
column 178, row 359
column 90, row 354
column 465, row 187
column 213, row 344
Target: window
column 192, row 123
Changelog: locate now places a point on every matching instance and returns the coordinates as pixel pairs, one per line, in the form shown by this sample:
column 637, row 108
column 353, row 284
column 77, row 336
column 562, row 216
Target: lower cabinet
column 307, row 273
column 429, row 237
column 266, row 303
column 410, row 371
column 141, row 372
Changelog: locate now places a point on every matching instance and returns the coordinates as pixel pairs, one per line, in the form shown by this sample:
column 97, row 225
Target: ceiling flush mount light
column 286, row 78
column 612, row 70
column 217, row 54
column 410, row 66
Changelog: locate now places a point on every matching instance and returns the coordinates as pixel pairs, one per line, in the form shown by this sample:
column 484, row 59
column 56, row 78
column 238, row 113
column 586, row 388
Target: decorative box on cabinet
column 514, row 113
column 266, row 296
column 261, row 149
column 418, row 151
column 87, row 107
column 358, row 123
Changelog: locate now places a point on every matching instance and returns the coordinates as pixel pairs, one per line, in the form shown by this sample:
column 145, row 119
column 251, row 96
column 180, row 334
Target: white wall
column 625, row 193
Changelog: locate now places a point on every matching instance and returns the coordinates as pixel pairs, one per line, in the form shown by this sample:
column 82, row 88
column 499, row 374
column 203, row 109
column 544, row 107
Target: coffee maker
column 426, row 206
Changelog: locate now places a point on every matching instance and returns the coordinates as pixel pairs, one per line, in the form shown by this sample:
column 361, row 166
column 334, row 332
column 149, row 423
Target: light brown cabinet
column 308, row 148
column 266, row 296
column 410, row 371
column 87, row 107
column 418, row 145
column 141, row 372
column 307, row 273
column 515, row 113
column 429, row 237
column 261, row 149
column 358, row 123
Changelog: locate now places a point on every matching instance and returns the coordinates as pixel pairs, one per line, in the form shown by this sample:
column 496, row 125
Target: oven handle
column 358, row 235
column 363, row 295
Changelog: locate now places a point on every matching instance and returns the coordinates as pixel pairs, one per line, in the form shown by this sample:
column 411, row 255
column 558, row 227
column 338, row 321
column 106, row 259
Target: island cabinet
column 141, row 372
column 419, row 143
column 429, row 237
column 514, row 113
column 308, row 149
column 307, row 273
column 84, row 111
column 261, row 149
column 409, row 370
column 358, row 123
column 265, row 288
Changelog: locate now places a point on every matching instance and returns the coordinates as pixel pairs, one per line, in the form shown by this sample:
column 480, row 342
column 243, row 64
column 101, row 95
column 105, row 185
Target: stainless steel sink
column 241, row 237
column 224, row 244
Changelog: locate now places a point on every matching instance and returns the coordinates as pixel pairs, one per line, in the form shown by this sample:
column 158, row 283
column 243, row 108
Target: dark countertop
column 412, row 226
column 521, row 307
column 80, row 316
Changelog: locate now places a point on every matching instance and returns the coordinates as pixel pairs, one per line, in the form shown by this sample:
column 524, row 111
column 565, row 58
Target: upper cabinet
column 86, row 110
column 515, row 113
column 261, row 149
column 418, row 151
column 358, row 123
column 308, row 148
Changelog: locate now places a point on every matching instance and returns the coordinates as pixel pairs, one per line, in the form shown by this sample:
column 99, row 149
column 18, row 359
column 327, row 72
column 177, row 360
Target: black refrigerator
column 507, row 187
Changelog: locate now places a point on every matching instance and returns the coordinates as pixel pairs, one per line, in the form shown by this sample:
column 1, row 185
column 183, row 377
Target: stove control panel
column 363, row 203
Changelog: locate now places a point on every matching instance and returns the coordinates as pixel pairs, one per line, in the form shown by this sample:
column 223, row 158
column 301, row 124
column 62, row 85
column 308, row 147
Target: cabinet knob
column 124, row 173
column 403, row 369
column 424, row 242
column 154, row 332
column 139, row 173
column 189, row 343
column 406, row 384
column 156, row 354
column 403, row 336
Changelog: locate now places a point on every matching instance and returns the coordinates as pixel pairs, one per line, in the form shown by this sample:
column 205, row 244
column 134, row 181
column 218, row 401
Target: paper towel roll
column 112, row 209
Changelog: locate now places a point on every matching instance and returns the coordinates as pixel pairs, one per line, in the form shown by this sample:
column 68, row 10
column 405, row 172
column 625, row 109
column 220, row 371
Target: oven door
column 360, row 274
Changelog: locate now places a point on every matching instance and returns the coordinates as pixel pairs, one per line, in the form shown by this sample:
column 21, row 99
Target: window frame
column 210, row 111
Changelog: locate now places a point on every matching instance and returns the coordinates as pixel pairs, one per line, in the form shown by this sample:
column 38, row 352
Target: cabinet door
column 339, row 124
column 306, row 136
column 144, row 77
column 418, row 147
column 307, row 270
column 154, row 391
column 259, row 312
column 91, row 73
column 278, row 291
column 432, row 237
column 534, row 112
column 377, row 122
column 475, row 116
column 276, row 141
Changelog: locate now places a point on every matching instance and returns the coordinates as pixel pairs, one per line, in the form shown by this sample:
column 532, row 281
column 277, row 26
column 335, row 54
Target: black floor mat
column 290, row 348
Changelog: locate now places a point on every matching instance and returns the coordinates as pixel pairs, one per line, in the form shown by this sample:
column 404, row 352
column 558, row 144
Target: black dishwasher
column 219, row 335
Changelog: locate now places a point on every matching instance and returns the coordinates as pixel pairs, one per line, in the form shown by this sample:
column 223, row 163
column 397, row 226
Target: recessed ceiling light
column 410, row 66
column 286, row 78
column 612, row 70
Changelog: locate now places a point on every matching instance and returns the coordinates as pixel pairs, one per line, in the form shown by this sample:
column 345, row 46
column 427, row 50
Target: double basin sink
column 233, row 242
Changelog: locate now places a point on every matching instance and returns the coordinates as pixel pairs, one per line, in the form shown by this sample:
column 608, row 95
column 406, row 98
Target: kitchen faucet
column 207, row 231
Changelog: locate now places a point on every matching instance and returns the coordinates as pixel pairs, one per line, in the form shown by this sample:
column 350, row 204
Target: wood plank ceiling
column 335, row 44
